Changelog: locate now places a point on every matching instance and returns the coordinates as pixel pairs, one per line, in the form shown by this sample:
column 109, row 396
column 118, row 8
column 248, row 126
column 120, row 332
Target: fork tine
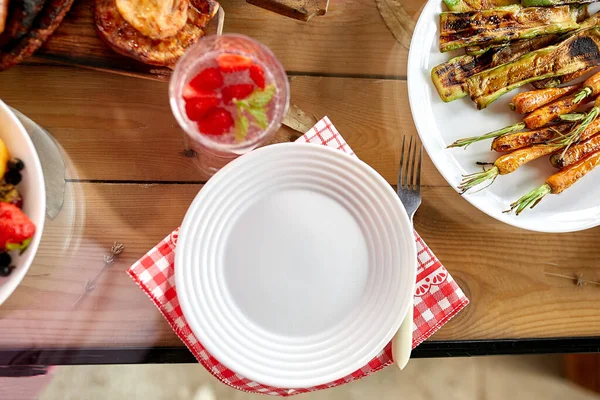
column 419, row 168
column 410, row 165
column 401, row 162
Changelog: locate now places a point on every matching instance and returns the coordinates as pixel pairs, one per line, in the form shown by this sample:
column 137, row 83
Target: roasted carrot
column 576, row 153
column 544, row 114
column 534, row 120
column 576, row 134
column 518, row 140
column 526, row 102
column 510, row 162
column 550, row 112
column 592, row 84
column 506, row 164
column 557, row 183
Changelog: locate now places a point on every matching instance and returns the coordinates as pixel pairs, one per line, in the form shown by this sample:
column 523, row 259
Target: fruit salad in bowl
column 22, row 202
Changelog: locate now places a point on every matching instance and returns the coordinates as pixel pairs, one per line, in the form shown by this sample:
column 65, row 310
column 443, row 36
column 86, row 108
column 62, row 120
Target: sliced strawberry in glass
column 196, row 109
column 233, row 62
column 191, row 93
column 258, row 75
column 218, row 122
column 209, row 79
column 239, row 92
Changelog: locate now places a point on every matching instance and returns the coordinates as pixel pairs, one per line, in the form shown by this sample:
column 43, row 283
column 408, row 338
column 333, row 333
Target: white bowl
column 32, row 188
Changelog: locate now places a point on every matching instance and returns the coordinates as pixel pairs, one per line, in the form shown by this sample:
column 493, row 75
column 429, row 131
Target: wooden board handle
column 302, row 10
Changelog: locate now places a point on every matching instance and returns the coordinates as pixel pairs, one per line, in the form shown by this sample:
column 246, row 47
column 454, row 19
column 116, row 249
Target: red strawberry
column 16, row 229
column 209, row 79
column 192, row 93
column 196, row 109
column 217, row 122
column 233, row 62
column 258, row 75
column 239, row 92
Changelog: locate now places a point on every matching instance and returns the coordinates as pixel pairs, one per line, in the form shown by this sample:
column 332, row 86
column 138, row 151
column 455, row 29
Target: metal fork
column 409, row 192
column 409, row 177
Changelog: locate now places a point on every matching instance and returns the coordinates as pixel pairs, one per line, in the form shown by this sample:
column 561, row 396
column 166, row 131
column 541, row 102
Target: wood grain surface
column 129, row 182
column 99, row 110
column 350, row 39
column 511, row 296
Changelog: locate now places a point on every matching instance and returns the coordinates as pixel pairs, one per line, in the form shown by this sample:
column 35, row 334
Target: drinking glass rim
column 189, row 127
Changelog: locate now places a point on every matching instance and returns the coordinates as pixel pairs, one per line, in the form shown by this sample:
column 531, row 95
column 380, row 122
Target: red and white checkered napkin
column 437, row 298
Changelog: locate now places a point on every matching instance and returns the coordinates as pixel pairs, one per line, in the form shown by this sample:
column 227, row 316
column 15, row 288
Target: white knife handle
column 402, row 341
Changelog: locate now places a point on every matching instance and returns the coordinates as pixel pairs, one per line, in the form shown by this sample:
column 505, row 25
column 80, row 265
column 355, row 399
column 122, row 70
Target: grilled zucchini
column 579, row 51
column 499, row 25
column 472, row 5
column 450, row 77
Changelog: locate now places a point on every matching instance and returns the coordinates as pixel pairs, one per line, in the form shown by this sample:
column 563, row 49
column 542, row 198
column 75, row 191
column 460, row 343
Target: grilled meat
column 46, row 23
column 21, row 16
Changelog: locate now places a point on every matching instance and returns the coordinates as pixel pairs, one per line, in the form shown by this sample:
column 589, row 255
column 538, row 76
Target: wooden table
column 129, row 181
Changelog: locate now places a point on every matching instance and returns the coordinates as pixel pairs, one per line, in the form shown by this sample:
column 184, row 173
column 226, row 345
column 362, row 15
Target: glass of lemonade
column 229, row 93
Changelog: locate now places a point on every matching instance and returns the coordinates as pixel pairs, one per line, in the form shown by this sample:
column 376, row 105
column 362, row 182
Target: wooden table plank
column 351, row 39
column 500, row 268
column 122, row 128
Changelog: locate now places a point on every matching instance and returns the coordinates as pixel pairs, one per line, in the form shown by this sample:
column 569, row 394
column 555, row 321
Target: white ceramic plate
column 295, row 265
column 440, row 124
column 32, row 189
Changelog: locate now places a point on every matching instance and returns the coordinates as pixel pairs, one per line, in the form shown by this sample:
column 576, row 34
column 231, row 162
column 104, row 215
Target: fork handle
column 402, row 341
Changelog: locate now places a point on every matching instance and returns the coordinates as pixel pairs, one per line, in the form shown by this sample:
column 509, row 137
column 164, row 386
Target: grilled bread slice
column 126, row 40
column 156, row 19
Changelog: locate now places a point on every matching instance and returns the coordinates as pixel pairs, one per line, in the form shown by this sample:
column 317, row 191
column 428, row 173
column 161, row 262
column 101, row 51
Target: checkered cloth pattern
column 437, row 296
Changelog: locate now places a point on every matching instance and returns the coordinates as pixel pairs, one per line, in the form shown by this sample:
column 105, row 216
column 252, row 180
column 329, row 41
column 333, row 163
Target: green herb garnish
column 255, row 105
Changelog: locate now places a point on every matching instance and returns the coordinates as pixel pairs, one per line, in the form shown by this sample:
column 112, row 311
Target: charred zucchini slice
column 552, row 3
column 450, row 77
column 502, row 24
column 579, row 51
column 472, row 5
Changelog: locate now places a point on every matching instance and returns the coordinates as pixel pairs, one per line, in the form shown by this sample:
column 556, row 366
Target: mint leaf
column 255, row 106
column 240, row 104
column 260, row 117
column 260, row 98
column 241, row 127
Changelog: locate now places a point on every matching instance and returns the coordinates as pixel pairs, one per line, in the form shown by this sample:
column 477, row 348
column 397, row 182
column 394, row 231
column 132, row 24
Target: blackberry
column 12, row 177
column 5, row 270
column 5, row 259
column 16, row 164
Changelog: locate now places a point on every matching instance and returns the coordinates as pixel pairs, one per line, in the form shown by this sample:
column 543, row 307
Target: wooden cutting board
column 76, row 43
column 302, row 10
